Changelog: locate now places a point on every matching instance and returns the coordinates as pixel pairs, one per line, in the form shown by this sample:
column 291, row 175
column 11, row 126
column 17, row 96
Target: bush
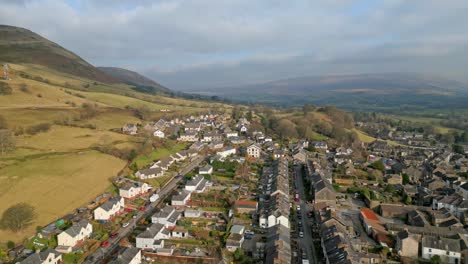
column 10, row 244
column 24, row 88
column 5, row 88
column 42, row 127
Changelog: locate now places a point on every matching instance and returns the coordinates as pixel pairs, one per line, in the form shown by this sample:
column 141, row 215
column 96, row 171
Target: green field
column 145, row 160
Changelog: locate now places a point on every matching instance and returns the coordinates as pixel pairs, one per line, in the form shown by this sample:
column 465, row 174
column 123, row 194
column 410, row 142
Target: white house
column 205, row 170
column 149, row 173
column 131, row 129
column 153, row 237
column 75, row 234
column 168, row 216
column 226, row 152
column 130, row 255
column 159, row 133
column 179, row 232
column 132, row 189
column 231, row 134
column 109, row 209
column 191, row 213
column 447, row 249
column 49, row 256
column 181, row 199
column 254, row 151
column 189, row 136
column 196, row 184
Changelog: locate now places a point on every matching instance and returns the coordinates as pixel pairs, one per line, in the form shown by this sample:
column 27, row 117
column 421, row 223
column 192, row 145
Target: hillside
column 140, row 82
column 356, row 92
column 19, row 45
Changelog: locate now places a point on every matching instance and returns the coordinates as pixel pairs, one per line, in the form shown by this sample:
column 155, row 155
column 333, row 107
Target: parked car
column 125, row 224
column 114, row 235
column 301, row 234
column 247, row 236
column 304, row 255
column 298, row 207
column 249, row 232
column 105, row 244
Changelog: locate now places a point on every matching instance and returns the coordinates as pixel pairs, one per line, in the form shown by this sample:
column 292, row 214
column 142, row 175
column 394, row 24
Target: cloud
column 188, row 44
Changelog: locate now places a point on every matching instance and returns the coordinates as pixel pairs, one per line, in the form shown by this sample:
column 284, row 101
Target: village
column 238, row 195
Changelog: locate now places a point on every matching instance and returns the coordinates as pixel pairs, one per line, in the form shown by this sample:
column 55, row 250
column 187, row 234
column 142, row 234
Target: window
column 430, row 250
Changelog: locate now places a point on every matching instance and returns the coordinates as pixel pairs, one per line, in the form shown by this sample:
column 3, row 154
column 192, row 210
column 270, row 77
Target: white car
column 249, row 232
column 298, row 207
column 125, row 224
column 301, row 234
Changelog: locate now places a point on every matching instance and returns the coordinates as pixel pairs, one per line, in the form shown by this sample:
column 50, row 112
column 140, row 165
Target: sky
column 191, row 45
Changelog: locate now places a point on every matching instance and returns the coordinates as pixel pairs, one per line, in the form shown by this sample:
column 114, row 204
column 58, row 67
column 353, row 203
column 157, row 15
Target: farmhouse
column 132, row 189
column 131, row 129
column 109, row 209
column 77, row 233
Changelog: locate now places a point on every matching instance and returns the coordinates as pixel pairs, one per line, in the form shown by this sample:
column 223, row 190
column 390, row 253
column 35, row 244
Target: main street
column 102, row 253
column 306, row 242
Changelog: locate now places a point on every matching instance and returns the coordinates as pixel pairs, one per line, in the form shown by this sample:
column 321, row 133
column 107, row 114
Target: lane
column 101, row 253
column 306, row 242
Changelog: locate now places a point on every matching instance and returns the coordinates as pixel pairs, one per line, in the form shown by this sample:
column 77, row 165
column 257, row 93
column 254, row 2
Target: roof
column 40, row 257
column 126, row 256
column 368, row 214
column 152, row 231
column 441, row 243
column 75, row 229
column 107, row 206
column 237, row 229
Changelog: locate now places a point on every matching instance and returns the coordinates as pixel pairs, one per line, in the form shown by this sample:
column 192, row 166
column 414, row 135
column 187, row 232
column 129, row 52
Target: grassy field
column 55, row 184
column 145, row 160
column 435, row 122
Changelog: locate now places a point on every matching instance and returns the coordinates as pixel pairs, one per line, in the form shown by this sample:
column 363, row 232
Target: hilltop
column 140, row 82
column 355, row 92
column 19, row 45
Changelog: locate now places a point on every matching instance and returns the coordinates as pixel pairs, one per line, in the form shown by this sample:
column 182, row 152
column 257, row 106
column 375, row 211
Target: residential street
column 102, row 253
column 306, row 243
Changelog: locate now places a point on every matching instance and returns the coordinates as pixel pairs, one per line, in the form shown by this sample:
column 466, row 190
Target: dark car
column 114, row 235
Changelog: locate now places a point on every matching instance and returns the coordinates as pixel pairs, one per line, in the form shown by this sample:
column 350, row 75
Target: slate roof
column 441, row 243
column 75, row 229
column 38, row 258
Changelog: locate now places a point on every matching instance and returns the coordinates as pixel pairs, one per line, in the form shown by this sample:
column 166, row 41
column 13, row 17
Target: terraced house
column 109, row 209
column 74, row 235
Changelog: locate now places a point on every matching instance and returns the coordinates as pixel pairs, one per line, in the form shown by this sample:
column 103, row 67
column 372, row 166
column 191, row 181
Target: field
column 55, row 184
column 145, row 160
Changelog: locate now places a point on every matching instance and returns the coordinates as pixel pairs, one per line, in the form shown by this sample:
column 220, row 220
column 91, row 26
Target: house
column 234, row 241
column 254, row 151
column 132, row 189
column 231, row 134
column 242, row 128
column 198, row 146
column 320, row 145
column 167, row 216
column 179, row 156
column 407, row 244
column 344, row 151
column 245, row 207
column 181, row 199
column 109, row 209
column 373, row 226
column 153, row 237
column 216, row 145
column 149, row 173
column 194, row 126
column 300, row 155
column 196, row 184
column 163, row 163
column 49, row 256
column 190, row 136
column 130, row 255
column 237, row 229
column 212, row 136
column 75, row 234
column 159, row 133
column 179, row 232
column 131, row 129
column 225, row 152
column 278, row 245
column 192, row 213
column 463, row 189
column 205, row 170
column 237, row 140
column 446, row 248
column 454, row 203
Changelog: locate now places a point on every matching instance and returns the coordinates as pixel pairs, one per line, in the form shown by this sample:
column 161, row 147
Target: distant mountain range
column 354, row 92
column 141, row 82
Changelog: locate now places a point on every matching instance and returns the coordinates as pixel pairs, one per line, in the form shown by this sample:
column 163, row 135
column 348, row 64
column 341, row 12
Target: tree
column 249, row 115
column 408, row 200
column 390, row 188
column 435, row 259
column 7, row 141
column 286, row 129
column 406, row 178
column 10, row 244
column 458, row 149
column 378, row 165
column 18, row 217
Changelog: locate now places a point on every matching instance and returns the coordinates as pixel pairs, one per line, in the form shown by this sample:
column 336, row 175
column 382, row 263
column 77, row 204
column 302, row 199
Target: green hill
column 141, row 83
column 19, row 45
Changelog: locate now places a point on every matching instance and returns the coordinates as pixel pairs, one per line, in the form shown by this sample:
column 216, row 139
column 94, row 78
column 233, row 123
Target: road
column 101, row 253
column 306, row 242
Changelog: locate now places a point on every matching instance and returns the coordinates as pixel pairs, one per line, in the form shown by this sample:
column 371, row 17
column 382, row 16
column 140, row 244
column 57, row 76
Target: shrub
column 43, row 127
column 5, row 88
